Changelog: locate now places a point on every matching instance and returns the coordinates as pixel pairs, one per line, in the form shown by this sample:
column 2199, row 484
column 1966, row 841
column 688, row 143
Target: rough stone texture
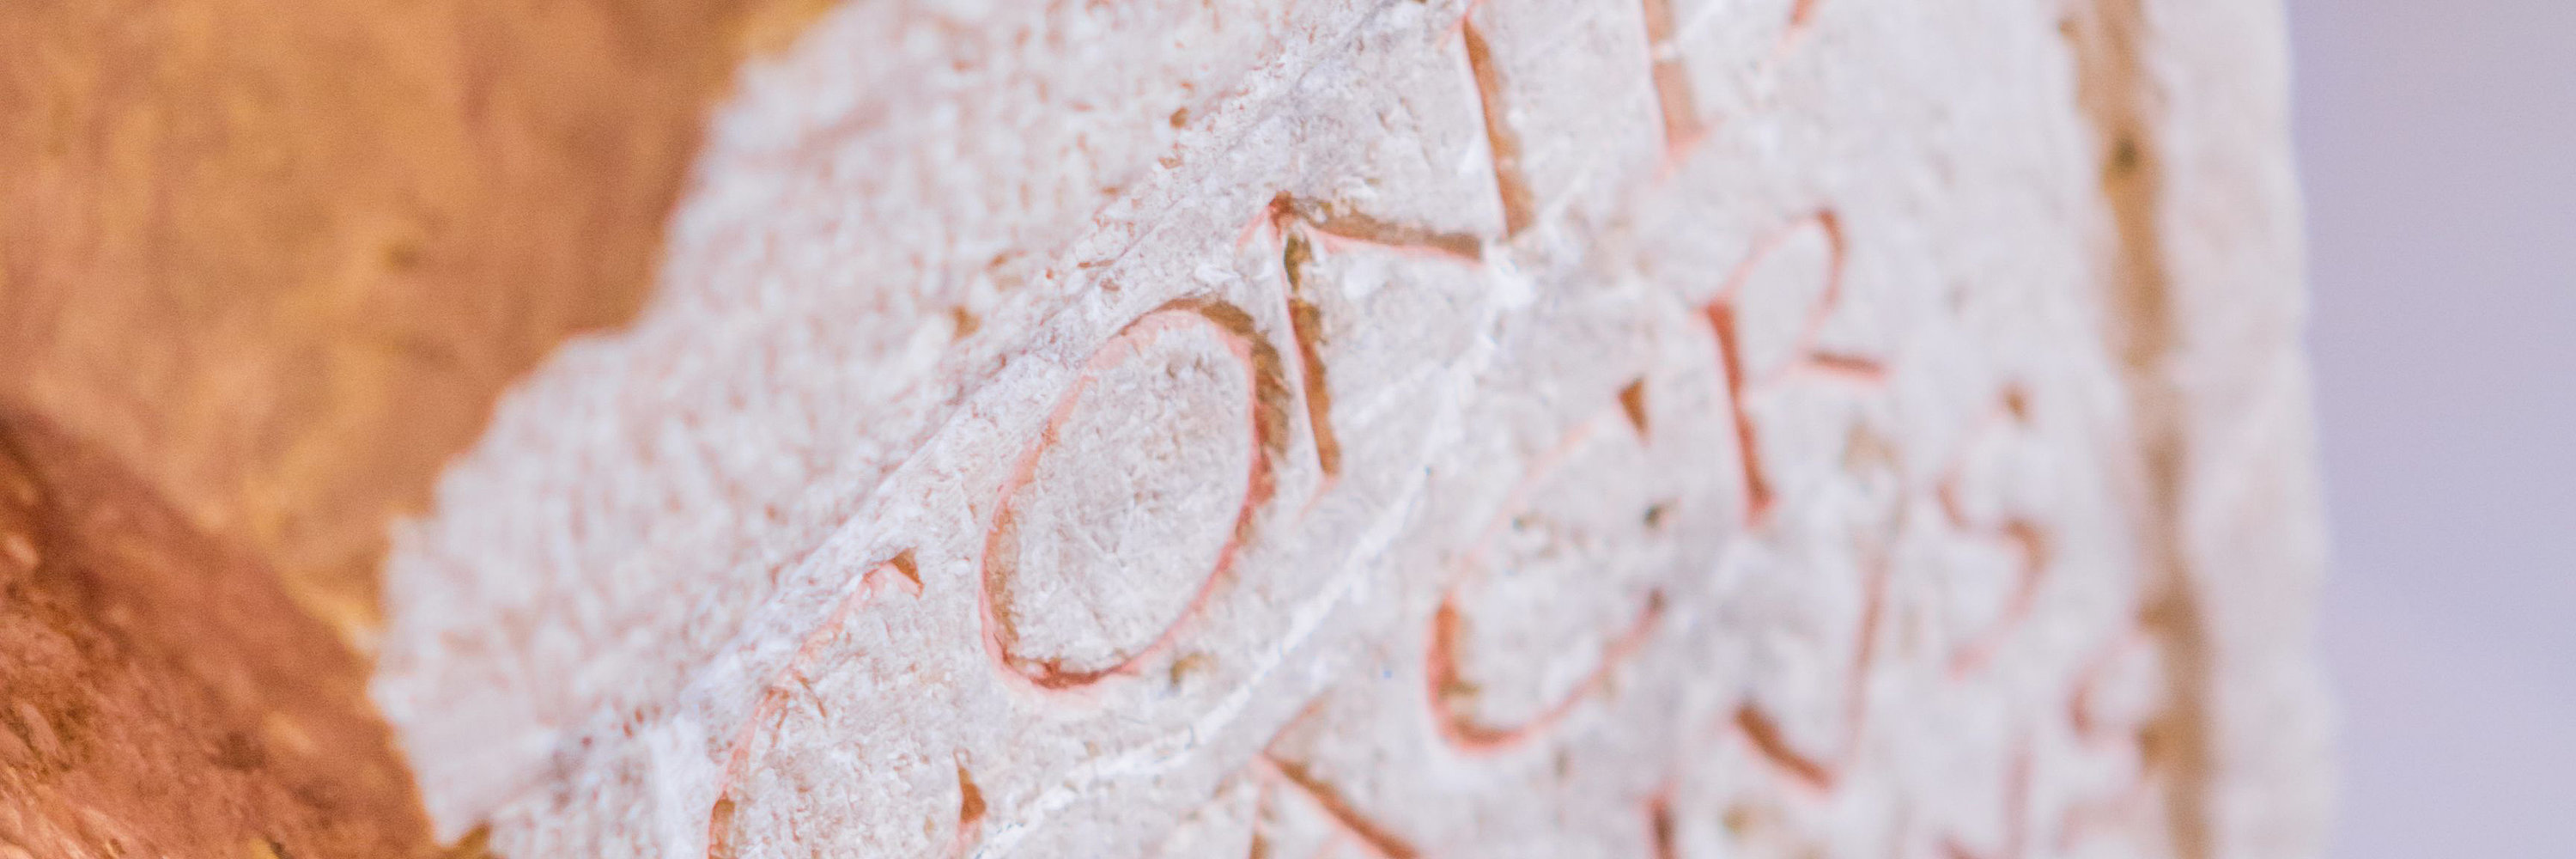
column 1541, row 428
column 159, row 694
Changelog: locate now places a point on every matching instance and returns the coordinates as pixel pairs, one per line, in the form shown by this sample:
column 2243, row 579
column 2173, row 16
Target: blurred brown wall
column 265, row 266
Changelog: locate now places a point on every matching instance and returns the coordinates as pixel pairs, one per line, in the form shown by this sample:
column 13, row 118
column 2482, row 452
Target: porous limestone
column 1685, row 428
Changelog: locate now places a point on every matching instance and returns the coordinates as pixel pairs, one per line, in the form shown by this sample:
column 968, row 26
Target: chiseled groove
column 1511, row 184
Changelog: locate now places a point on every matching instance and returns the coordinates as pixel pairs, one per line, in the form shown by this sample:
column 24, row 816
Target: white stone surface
column 1535, row 429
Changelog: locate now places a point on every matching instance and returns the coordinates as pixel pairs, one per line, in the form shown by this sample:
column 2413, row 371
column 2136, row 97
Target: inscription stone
column 1510, row 428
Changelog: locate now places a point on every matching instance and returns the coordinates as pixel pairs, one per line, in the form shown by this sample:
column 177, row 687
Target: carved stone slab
column 1537, row 428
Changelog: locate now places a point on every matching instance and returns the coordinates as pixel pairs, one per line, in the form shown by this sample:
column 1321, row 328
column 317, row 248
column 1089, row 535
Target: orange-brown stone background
column 163, row 698
column 264, row 266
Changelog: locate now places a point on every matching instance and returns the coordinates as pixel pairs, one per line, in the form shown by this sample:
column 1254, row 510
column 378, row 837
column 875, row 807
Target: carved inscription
column 1820, row 238
column 1179, row 397
column 1147, row 483
column 1566, row 537
column 1673, row 97
column 1503, row 143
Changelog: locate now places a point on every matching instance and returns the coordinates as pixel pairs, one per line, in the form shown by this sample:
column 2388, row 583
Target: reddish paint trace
column 1803, row 15
column 1300, row 227
column 1980, row 649
column 1673, row 97
column 1811, row 361
column 1368, row 834
column 1334, row 227
column 1261, row 431
column 1305, row 324
column 900, row 571
column 1659, row 824
column 2087, row 818
column 1632, row 403
column 1757, row 480
column 1846, row 369
column 1802, row 20
column 902, row 564
column 970, row 814
column 2026, row 538
column 1467, row 734
column 1444, row 684
column 1816, row 773
column 1510, row 182
column 2079, row 706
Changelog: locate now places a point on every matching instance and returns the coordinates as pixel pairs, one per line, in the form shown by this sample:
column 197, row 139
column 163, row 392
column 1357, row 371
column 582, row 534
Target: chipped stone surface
column 1534, row 428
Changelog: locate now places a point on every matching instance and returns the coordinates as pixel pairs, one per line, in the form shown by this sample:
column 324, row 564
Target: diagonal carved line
column 1345, row 816
column 1673, row 97
column 1721, row 315
column 1824, row 775
column 1510, row 183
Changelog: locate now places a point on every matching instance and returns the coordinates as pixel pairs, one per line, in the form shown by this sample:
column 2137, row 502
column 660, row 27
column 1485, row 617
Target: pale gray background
column 2437, row 145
